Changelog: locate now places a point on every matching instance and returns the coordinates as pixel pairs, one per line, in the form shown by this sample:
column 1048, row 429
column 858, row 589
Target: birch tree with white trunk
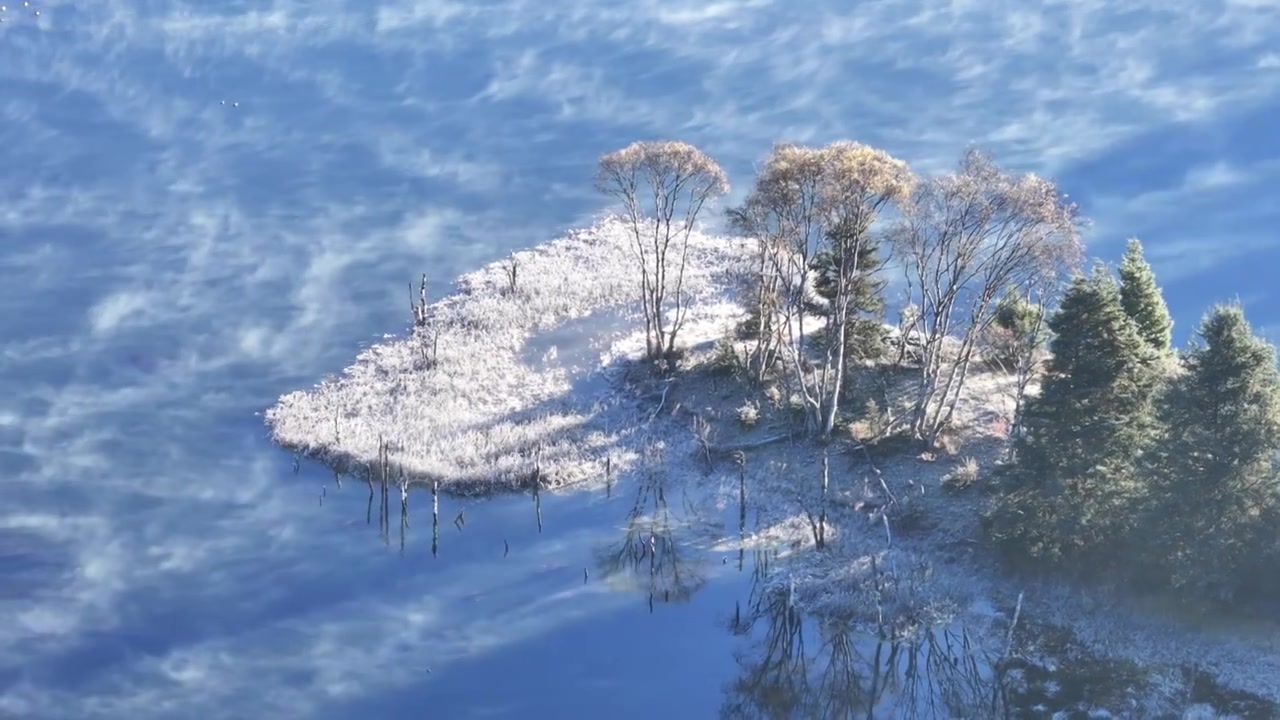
column 964, row 238
column 662, row 187
column 806, row 200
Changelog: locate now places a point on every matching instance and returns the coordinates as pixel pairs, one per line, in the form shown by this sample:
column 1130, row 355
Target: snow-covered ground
column 531, row 378
column 508, row 390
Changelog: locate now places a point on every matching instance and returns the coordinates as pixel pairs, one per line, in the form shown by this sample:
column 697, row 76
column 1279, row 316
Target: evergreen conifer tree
column 1065, row 498
column 1016, row 314
column 1142, row 299
column 1214, row 486
column 1017, row 328
column 865, row 333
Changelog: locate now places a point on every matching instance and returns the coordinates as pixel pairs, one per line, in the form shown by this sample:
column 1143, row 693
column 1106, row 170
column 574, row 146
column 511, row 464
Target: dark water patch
column 316, row 171
column 617, row 651
column 653, row 558
column 11, row 436
column 234, row 89
column 15, row 463
column 38, row 373
column 92, row 148
column 282, row 175
column 31, row 564
column 793, row 666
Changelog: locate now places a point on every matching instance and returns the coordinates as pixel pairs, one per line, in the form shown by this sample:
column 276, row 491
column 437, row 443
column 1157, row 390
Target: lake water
column 206, row 205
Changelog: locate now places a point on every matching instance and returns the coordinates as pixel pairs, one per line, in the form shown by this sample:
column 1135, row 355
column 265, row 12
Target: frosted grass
column 487, row 414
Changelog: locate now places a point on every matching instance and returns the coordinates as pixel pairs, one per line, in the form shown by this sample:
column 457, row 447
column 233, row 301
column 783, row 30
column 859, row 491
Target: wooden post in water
column 385, row 510
column 435, row 518
column 537, row 486
column 404, row 508
column 404, row 495
column 741, row 459
column 608, row 476
column 404, row 525
column 537, row 506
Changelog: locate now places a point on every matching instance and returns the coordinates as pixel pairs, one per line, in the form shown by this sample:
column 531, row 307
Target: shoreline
column 495, row 397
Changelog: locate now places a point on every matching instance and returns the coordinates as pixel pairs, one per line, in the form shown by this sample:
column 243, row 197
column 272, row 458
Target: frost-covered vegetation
column 476, row 397
column 1021, row 416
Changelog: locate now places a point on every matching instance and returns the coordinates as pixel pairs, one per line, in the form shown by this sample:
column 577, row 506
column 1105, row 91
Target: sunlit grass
column 468, row 407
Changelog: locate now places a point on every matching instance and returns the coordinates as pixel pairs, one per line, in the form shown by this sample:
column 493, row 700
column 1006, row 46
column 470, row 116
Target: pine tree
column 1017, row 327
column 1065, row 499
column 1016, row 314
column 865, row 334
column 1214, row 478
column 1142, row 299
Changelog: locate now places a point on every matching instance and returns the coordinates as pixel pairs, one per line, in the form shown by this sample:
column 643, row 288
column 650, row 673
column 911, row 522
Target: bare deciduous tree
column 781, row 213
column 807, row 200
column 662, row 186
column 964, row 238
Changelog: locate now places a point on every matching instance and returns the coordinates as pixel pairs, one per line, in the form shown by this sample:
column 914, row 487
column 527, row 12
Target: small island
column 936, row 410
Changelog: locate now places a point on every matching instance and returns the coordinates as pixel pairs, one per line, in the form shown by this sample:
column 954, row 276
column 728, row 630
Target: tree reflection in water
column 850, row 674
column 776, row 683
column 650, row 557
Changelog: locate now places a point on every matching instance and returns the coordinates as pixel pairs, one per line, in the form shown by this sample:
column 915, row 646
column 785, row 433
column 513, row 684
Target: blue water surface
column 205, row 205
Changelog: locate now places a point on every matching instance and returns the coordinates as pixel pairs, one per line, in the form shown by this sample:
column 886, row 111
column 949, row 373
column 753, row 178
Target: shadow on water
column 563, row 347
